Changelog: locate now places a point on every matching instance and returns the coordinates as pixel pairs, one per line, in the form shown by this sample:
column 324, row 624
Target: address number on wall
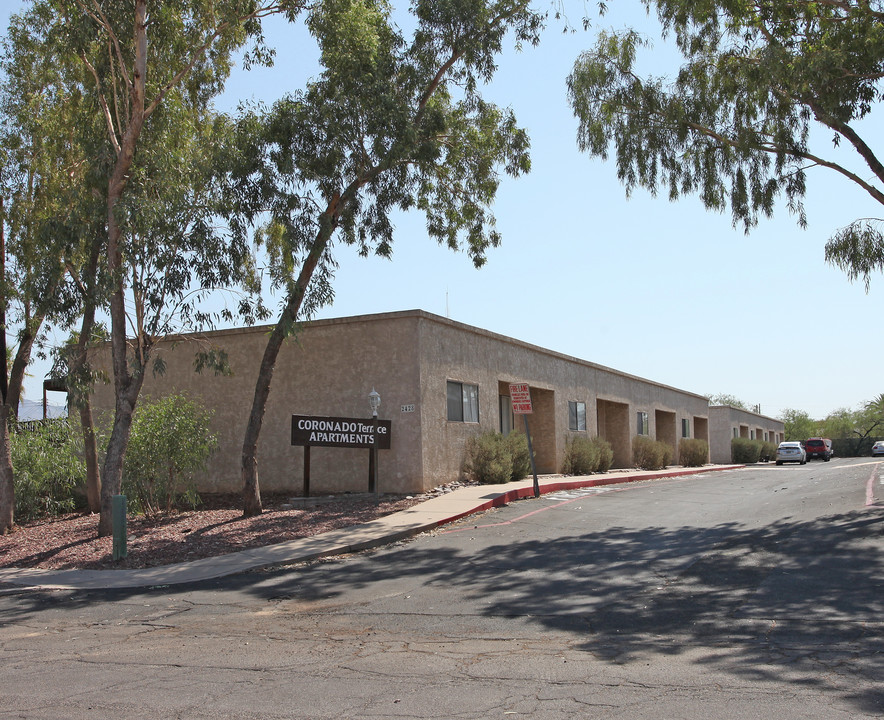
column 407, row 408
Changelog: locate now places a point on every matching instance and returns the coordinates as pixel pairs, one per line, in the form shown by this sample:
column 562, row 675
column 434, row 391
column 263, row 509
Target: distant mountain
column 30, row 410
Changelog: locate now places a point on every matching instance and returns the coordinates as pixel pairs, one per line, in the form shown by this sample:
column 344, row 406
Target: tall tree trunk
column 20, row 362
column 90, row 450
column 112, row 474
column 80, row 380
column 126, row 385
column 251, row 492
column 7, row 485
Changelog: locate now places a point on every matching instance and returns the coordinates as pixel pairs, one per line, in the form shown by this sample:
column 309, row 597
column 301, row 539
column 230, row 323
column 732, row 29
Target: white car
column 791, row 451
column 878, row 448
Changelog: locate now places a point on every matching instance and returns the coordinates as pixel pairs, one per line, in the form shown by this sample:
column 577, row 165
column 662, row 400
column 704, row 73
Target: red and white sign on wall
column 520, row 396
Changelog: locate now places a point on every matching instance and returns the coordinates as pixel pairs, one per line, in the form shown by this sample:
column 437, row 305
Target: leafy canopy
column 735, row 125
column 390, row 124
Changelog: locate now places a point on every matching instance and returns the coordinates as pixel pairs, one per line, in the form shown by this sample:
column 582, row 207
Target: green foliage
column 731, row 400
column 47, row 458
column 768, row 451
column 650, row 454
column 853, row 447
column 170, row 442
column 493, row 458
column 745, row 450
column 584, row 456
column 693, row 452
column 518, row 446
column 739, row 124
column 799, row 425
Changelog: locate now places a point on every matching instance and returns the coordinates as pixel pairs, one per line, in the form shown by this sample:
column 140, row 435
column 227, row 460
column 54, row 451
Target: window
column 642, row 424
column 463, row 402
column 736, row 433
column 506, row 415
column 577, row 416
column 685, row 428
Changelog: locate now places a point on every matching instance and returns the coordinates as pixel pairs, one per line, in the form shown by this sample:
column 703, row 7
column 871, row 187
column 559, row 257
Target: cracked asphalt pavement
column 755, row 593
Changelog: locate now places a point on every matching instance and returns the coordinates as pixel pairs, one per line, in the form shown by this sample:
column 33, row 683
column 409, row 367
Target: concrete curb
column 398, row 526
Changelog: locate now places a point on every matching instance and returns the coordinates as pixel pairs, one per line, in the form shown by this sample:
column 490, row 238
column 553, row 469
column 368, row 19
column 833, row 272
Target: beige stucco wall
column 725, row 421
column 408, row 357
column 457, row 352
column 328, row 369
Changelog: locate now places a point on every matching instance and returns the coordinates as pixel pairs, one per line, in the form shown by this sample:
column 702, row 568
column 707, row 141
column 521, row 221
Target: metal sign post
column 520, row 396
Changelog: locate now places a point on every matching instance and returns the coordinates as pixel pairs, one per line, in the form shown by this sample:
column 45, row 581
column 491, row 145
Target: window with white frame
column 463, row 402
column 577, row 416
column 642, row 427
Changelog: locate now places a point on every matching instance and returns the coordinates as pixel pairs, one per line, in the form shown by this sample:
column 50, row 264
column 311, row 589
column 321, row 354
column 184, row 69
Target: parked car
column 818, row 448
column 878, row 448
column 791, row 451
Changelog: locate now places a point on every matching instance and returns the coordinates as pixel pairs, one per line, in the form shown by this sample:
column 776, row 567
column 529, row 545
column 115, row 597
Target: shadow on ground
column 797, row 601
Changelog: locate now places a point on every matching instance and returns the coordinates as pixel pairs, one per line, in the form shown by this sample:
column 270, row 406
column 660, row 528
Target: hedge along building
column 727, row 422
column 440, row 382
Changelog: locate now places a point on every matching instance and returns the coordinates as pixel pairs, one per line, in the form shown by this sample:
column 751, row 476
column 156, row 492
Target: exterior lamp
column 374, row 402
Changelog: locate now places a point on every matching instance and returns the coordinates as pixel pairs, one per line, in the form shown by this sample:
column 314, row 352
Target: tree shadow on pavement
column 795, row 601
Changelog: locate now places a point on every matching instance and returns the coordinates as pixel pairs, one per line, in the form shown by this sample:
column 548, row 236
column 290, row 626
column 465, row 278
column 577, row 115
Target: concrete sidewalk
column 420, row 518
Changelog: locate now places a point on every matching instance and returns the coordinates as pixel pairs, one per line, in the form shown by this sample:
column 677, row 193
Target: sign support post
column 520, row 396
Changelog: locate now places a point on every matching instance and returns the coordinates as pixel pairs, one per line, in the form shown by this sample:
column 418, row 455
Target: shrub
column 768, row 451
column 744, row 450
column 493, row 458
column 489, row 459
column 518, row 446
column 169, row 443
column 650, row 454
column 584, row 456
column 693, row 452
column 581, row 457
column 48, row 467
column 606, row 454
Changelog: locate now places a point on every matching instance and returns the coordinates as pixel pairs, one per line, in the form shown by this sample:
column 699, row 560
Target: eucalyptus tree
column 391, row 123
column 151, row 70
column 45, row 193
column 766, row 92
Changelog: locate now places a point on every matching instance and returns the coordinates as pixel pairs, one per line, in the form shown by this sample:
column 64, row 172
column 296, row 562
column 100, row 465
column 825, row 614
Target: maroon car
column 818, row 448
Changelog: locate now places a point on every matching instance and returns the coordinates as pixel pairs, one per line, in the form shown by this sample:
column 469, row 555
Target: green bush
column 650, row 454
column 169, row 443
column 48, row 467
column 584, row 456
column 768, row 451
column 606, row 454
column 744, row 450
column 518, row 446
column 492, row 458
column 693, row 452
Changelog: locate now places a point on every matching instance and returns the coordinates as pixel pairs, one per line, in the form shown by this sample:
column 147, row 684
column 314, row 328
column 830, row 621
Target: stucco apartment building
column 440, row 383
column 726, row 423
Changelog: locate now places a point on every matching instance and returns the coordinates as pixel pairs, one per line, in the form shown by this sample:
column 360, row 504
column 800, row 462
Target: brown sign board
column 315, row 431
column 520, row 396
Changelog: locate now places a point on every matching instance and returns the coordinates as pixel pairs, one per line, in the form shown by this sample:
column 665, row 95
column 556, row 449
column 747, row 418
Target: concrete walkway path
column 420, row 518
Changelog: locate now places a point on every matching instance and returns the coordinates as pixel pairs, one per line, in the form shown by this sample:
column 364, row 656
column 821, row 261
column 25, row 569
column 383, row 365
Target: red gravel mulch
column 218, row 527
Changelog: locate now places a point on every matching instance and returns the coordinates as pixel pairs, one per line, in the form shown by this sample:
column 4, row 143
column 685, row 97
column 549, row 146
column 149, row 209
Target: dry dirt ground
column 216, row 528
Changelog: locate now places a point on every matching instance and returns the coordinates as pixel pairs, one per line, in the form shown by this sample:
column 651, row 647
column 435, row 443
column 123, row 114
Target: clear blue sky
column 665, row 291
